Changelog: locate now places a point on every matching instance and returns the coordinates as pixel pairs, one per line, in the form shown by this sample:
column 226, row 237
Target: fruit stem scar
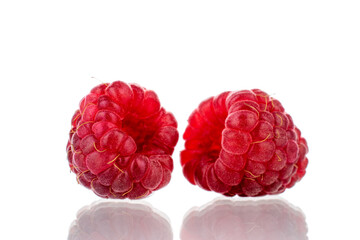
column 142, row 195
column 98, row 149
column 118, row 168
column 250, row 179
column 280, row 119
column 86, row 107
column 262, row 140
column 266, row 100
column 272, row 102
column 114, row 159
column 73, row 149
column 106, row 84
column 111, row 191
column 84, row 124
column 266, row 103
column 132, row 186
column 253, row 108
column 72, row 167
column 251, row 174
column 91, row 184
column 76, row 117
column 279, row 159
column 78, row 177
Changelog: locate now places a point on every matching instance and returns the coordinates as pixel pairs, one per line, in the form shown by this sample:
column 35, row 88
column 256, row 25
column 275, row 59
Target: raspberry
column 121, row 141
column 271, row 219
column 114, row 220
column 243, row 143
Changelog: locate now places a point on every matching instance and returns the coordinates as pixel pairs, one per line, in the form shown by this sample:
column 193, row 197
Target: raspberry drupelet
column 243, row 143
column 121, row 141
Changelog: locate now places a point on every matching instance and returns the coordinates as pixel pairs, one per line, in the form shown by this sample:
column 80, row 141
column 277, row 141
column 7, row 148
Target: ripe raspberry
column 243, row 143
column 121, row 141
column 114, row 220
column 270, row 219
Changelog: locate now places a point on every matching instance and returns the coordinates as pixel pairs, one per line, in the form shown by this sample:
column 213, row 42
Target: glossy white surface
column 107, row 220
column 304, row 53
column 271, row 219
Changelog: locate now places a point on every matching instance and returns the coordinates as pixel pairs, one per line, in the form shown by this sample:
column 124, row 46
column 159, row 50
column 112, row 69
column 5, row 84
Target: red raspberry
column 121, row 141
column 243, row 143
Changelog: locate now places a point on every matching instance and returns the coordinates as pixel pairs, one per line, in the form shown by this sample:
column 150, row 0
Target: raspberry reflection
column 114, row 220
column 270, row 219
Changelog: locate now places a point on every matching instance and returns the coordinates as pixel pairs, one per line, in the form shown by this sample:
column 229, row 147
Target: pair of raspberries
column 237, row 143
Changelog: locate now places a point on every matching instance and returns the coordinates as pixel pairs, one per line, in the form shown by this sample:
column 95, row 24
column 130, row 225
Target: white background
column 304, row 53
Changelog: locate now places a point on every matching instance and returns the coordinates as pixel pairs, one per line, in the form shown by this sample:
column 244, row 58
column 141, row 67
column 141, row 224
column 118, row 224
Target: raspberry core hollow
column 121, row 141
column 243, row 143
